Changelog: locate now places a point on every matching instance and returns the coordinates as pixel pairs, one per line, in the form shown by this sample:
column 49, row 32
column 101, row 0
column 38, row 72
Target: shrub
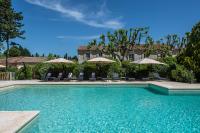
column 24, row 73
column 88, row 68
column 162, row 70
column 40, row 70
column 136, row 71
column 12, row 69
column 129, row 69
column 114, row 68
column 101, row 70
column 143, row 71
column 169, row 60
column 181, row 74
column 77, row 69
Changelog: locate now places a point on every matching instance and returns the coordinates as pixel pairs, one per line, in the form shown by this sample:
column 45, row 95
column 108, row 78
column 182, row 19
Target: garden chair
column 157, row 76
column 69, row 76
column 60, row 75
column 49, row 77
column 130, row 79
column 93, row 78
column 81, row 74
column 115, row 76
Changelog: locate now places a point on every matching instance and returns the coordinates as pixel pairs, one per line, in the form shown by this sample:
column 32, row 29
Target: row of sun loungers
column 93, row 77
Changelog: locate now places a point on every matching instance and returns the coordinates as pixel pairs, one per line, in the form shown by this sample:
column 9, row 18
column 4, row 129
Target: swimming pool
column 104, row 108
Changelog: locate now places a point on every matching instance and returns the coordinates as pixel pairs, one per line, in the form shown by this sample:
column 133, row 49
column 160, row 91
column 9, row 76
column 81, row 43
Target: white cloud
column 98, row 19
column 78, row 37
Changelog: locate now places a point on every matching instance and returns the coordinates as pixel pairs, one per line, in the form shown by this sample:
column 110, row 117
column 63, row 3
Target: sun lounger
column 69, row 77
column 115, row 76
column 80, row 76
column 49, row 77
column 60, row 75
column 145, row 79
column 93, row 78
column 105, row 78
column 131, row 79
column 157, row 76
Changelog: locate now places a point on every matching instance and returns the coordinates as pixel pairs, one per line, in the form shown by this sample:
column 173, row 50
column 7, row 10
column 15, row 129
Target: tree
column 24, row 51
column 75, row 58
column 17, row 50
column 173, row 41
column 10, row 24
column 66, row 56
column 37, row 55
column 120, row 42
column 92, row 43
column 50, row 56
column 1, row 47
column 149, row 42
column 103, row 40
column 14, row 51
column 190, row 57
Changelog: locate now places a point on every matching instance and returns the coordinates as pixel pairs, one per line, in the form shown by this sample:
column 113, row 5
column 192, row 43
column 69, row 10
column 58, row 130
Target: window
column 87, row 55
column 131, row 56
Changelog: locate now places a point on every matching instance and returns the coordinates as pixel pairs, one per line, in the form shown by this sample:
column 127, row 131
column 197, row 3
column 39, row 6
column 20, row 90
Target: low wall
column 7, row 75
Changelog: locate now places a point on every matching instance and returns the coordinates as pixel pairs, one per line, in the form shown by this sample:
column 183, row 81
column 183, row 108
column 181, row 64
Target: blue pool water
column 107, row 109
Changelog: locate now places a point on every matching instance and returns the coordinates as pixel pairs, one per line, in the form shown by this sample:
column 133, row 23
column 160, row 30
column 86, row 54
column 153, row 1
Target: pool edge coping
column 169, row 88
column 26, row 118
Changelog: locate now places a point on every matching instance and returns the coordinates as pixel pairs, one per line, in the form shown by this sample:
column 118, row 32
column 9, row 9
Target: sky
column 61, row 26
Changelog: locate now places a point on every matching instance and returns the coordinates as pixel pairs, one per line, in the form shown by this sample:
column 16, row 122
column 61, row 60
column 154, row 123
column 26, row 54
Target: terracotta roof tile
column 21, row 59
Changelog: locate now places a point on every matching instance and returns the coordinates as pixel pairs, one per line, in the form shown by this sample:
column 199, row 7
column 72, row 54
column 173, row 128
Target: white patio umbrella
column 148, row 61
column 60, row 60
column 2, row 66
column 101, row 60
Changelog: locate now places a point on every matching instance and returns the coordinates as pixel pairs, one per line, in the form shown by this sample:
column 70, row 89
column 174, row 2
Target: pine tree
column 10, row 24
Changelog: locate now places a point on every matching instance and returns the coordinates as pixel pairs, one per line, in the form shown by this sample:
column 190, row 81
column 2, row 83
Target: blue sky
column 60, row 26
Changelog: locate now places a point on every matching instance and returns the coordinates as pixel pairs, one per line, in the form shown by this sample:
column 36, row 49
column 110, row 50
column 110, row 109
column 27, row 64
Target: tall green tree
column 102, row 40
column 37, row 55
column 190, row 57
column 10, row 24
column 66, row 56
column 24, row 51
column 17, row 50
column 14, row 51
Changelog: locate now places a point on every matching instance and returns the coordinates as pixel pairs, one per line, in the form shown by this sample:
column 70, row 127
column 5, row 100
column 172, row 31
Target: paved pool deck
column 12, row 121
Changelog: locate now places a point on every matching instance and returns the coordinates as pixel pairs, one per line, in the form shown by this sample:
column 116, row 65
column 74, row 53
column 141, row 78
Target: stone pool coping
column 14, row 121
column 166, row 84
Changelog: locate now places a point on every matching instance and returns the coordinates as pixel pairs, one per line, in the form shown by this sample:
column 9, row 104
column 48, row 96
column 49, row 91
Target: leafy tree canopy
column 18, row 50
column 10, row 24
column 191, row 55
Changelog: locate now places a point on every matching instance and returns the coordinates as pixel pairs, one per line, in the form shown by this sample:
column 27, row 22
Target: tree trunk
column 7, row 53
column 25, row 72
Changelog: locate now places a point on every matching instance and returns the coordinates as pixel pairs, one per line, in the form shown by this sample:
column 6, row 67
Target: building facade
column 135, row 53
column 18, row 61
